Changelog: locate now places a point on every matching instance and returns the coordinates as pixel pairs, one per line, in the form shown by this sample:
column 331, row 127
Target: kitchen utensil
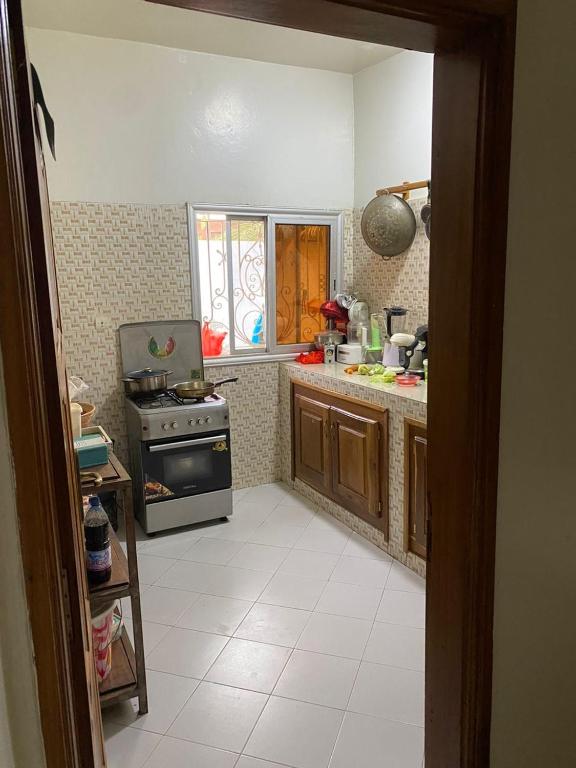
column 395, row 322
column 426, row 214
column 375, row 331
column 358, row 312
column 329, row 353
column 88, row 411
column 146, row 380
column 349, row 354
column 357, row 333
column 197, row 389
column 331, row 310
column 373, row 355
column 323, row 338
column 345, row 300
column 212, row 340
column 388, row 225
column 407, row 380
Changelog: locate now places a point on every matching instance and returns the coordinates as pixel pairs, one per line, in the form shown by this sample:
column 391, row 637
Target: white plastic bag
column 76, row 387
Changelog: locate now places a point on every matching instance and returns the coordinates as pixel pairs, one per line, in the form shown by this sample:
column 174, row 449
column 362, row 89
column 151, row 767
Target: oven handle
column 186, row 443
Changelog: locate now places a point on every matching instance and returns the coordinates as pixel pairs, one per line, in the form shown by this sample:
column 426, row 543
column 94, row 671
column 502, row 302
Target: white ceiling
column 190, row 30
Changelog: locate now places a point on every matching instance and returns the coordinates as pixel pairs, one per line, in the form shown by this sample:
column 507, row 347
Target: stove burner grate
column 167, row 398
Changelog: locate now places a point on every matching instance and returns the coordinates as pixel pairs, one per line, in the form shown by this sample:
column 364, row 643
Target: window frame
column 272, row 216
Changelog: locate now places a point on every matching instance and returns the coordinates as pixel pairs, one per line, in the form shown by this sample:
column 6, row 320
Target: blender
column 357, row 334
column 395, row 318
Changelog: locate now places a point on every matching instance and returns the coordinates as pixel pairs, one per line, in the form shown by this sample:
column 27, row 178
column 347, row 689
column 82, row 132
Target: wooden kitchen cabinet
column 312, row 462
column 415, row 487
column 340, row 448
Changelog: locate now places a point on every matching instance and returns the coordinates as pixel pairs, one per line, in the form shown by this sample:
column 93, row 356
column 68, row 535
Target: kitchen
column 126, row 254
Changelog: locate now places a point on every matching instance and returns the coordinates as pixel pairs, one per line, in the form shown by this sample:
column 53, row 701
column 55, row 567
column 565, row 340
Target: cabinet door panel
column 311, row 446
column 355, row 462
column 415, row 488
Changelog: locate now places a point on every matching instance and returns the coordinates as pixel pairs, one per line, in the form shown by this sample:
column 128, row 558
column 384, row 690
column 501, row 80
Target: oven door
column 174, row 469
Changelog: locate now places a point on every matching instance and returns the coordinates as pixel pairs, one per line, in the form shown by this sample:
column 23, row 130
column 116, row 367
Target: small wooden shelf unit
column 127, row 678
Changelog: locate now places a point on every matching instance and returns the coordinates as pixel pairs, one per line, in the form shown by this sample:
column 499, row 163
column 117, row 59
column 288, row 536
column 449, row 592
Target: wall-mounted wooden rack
column 403, row 189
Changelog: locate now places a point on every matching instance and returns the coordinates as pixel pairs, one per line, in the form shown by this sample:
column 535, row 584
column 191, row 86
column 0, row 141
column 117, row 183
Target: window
column 259, row 277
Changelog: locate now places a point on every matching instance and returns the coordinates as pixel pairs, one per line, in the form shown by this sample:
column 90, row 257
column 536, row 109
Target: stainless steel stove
column 179, row 449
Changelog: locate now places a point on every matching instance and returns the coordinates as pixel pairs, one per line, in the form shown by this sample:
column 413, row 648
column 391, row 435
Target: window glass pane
column 213, row 276
column 302, row 278
column 249, row 282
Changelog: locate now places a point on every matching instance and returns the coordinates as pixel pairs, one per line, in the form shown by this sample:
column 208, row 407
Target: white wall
column 534, row 684
column 20, row 733
column 144, row 123
column 393, row 123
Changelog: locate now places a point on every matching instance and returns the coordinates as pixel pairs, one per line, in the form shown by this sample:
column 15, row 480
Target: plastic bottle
column 98, row 550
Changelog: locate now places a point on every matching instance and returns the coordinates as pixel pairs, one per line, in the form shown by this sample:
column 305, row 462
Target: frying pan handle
column 225, row 381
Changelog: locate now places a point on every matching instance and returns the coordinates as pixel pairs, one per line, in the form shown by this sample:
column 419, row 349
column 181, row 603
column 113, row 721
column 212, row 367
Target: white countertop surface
column 335, row 371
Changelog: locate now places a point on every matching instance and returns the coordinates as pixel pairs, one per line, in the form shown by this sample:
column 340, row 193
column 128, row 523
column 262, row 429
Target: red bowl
column 407, row 380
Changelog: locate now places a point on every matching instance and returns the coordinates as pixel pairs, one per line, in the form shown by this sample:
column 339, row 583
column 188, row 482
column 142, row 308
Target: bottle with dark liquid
column 98, row 550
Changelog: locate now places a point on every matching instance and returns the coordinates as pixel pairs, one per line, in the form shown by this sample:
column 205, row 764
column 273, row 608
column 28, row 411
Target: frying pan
column 197, row 389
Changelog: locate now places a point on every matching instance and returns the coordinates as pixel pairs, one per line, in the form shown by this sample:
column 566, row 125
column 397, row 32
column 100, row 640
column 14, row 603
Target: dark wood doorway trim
column 474, row 44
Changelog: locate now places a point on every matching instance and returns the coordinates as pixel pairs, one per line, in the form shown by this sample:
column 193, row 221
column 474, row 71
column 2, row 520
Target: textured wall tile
column 399, row 281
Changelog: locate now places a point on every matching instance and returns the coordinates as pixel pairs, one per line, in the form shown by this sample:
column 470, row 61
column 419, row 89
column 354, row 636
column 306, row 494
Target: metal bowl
column 328, row 337
column 388, row 225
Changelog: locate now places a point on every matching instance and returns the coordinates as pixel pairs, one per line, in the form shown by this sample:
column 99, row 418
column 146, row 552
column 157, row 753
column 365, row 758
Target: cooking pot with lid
column 145, row 381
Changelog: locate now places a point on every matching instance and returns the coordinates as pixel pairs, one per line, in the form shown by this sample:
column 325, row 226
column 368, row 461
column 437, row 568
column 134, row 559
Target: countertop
column 335, row 371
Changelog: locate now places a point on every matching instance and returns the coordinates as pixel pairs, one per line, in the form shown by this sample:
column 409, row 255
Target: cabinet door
column 415, row 488
column 311, row 442
column 355, row 463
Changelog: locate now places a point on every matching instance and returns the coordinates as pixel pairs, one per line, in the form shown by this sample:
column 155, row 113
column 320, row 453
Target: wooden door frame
column 473, row 80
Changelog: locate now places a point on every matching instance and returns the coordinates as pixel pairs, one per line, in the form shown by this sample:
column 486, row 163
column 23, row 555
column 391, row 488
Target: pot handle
column 225, row 381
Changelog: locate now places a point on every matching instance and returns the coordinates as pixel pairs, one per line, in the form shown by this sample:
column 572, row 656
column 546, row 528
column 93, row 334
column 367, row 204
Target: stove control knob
column 201, row 421
column 191, row 422
column 208, row 419
column 174, row 425
column 166, row 426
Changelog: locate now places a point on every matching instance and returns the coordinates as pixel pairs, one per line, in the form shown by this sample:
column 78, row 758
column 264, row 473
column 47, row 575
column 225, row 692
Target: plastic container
column 102, row 637
column 357, row 333
column 407, row 380
column 425, row 366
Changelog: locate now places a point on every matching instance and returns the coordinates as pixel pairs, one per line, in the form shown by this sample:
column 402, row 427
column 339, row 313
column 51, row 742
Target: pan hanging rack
column 403, row 189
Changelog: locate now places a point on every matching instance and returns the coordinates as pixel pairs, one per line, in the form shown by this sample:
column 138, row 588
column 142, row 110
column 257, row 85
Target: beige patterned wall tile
column 400, row 281
column 116, row 264
column 130, row 263
column 254, row 422
column 348, row 251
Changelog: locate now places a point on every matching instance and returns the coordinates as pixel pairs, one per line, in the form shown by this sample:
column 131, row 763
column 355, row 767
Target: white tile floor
column 279, row 638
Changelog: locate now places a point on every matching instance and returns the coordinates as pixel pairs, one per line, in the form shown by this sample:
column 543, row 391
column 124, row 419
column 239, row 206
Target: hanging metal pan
column 388, row 225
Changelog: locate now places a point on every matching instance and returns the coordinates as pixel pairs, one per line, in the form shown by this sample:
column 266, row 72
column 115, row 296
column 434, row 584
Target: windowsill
column 266, row 357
